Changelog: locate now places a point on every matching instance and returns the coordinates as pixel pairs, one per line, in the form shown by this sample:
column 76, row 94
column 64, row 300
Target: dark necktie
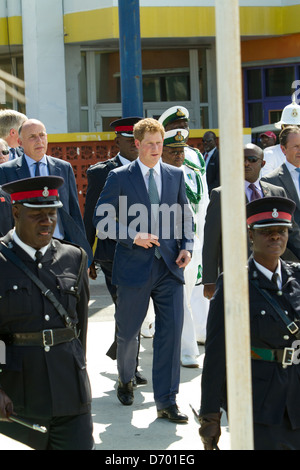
column 38, row 256
column 255, row 194
column 37, row 169
column 205, row 156
column 275, row 279
column 154, row 200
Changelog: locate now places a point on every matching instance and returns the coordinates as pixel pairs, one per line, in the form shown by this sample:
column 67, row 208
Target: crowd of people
column 152, row 224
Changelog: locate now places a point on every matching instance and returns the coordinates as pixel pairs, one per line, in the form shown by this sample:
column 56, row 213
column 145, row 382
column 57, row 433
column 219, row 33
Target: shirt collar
column 28, row 249
column 290, row 166
column 256, row 184
column 145, row 169
column 31, row 162
column 266, row 272
column 123, row 160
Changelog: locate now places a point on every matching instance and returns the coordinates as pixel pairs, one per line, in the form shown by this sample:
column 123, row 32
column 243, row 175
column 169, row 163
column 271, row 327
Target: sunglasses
column 4, row 152
column 252, row 159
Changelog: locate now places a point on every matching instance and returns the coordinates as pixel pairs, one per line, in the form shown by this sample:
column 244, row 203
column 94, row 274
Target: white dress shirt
column 157, row 175
column 269, row 274
column 249, row 191
column 29, row 250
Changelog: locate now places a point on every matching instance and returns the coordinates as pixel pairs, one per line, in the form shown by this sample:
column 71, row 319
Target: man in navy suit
column 34, row 162
column 211, row 157
column 151, row 252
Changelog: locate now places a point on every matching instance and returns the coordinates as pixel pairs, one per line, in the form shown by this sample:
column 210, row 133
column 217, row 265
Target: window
column 15, row 67
column 267, row 91
column 169, row 76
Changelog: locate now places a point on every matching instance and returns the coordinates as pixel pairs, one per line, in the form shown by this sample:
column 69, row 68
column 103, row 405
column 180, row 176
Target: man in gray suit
column 287, row 175
column 254, row 189
column 35, row 162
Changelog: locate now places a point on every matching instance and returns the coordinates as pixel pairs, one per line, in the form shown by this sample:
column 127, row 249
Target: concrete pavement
column 136, row 427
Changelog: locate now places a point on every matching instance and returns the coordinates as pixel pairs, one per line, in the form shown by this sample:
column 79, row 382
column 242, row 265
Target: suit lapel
column 166, row 183
column 22, row 168
column 54, row 170
column 138, row 183
column 288, row 184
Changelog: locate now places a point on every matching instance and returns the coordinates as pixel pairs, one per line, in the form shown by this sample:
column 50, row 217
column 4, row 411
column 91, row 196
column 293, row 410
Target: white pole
column 236, row 293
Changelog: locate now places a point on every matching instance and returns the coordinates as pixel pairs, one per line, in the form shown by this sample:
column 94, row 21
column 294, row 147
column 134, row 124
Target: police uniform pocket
column 66, row 286
column 15, row 299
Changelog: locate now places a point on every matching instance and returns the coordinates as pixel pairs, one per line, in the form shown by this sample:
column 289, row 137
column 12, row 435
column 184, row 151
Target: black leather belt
column 45, row 338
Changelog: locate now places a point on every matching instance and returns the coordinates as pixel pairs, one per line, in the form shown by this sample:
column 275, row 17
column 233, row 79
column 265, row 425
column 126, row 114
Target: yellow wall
column 106, row 136
column 164, row 22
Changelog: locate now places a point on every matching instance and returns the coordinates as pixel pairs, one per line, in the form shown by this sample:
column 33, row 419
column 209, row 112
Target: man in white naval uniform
column 177, row 153
column 274, row 156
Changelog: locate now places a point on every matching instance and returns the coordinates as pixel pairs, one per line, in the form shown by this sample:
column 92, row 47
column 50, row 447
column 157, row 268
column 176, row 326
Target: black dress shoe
column 173, row 414
column 125, row 393
column 139, row 379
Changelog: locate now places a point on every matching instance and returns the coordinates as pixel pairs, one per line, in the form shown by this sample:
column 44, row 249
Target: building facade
column 67, row 51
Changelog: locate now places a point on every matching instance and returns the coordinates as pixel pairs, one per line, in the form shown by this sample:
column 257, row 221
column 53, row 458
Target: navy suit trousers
column 132, row 305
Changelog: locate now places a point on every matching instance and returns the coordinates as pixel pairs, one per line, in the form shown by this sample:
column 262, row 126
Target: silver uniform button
column 286, row 337
column 40, row 265
column 47, row 317
column 279, row 292
column 15, row 288
column 263, row 312
column 47, row 348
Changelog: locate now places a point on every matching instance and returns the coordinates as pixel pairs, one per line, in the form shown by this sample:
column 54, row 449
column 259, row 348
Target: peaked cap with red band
column 124, row 126
column 37, row 192
column 270, row 211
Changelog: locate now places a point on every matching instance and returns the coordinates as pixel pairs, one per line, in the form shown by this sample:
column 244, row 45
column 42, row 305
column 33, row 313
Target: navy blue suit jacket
column 132, row 263
column 70, row 214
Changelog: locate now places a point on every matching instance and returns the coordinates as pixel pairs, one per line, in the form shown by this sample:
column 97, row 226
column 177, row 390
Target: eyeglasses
column 4, row 152
column 252, row 159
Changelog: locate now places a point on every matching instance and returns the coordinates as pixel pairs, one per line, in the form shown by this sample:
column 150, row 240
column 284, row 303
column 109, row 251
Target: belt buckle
column 288, row 355
column 293, row 328
column 47, row 342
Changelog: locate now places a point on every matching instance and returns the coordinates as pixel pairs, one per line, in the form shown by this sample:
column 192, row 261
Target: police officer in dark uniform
column 274, row 290
column 44, row 379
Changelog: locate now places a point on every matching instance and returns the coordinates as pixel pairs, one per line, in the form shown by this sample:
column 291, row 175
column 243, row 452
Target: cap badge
column 45, row 193
column 275, row 214
column 179, row 137
column 180, row 113
column 295, row 113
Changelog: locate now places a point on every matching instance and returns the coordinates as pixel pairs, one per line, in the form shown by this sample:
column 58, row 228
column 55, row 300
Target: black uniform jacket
column 40, row 383
column 97, row 176
column 275, row 389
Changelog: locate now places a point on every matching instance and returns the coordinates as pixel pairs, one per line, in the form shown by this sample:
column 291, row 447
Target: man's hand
column 146, row 240
column 93, row 271
column 6, row 406
column 209, row 290
column 210, row 430
column 183, row 259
